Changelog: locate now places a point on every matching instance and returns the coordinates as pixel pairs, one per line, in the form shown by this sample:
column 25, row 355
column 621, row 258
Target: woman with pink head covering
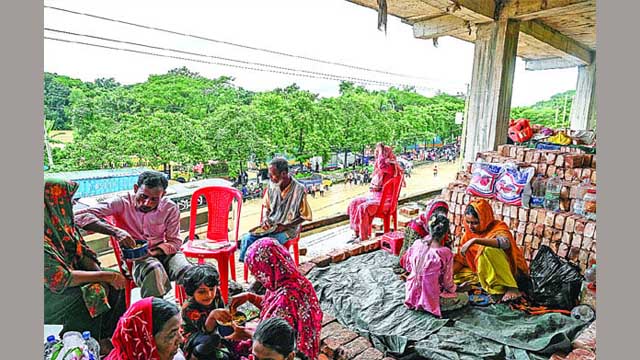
column 289, row 294
column 418, row 228
column 362, row 208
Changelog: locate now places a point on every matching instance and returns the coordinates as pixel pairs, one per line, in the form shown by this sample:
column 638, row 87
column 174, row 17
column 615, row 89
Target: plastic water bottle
column 92, row 344
column 552, row 194
column 538, row 188
column 578, row 206
column 73, row 345
column 48, row 346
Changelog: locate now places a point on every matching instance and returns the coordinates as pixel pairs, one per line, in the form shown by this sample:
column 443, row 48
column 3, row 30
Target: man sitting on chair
column 145, row 215
column 286, row 208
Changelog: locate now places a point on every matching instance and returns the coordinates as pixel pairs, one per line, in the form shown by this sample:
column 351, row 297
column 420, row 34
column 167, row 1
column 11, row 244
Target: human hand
column 125, row 239
column 239, row 333
column 280, row 228
column 223, row 316
column 117, row 280
column 238, row 300
column 466, row 246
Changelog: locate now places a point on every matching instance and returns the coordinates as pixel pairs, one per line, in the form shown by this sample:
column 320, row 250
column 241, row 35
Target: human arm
column 91, row 219
column 447, row 283
column 244, row 297
column 218, row 315
column 171, row 235
column 58, row 276
column 501, row 242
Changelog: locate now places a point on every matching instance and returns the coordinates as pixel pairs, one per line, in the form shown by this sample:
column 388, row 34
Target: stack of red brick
column 337, row 341
column 565, row 233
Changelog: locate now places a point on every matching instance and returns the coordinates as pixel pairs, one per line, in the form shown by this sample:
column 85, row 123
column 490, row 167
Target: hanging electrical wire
column 274, row 52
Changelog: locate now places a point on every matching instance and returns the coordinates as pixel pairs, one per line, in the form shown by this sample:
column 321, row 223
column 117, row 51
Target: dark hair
column 161, row 312
column 153, row 179
column 438, row 226
column 200, row 274
column 471, row 211
column 281, row 164
column 276, row 334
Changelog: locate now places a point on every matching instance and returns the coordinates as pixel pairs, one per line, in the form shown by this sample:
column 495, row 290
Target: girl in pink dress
column 430, row 284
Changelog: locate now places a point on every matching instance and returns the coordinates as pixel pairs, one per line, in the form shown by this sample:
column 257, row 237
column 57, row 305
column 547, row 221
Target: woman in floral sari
column 78, row 294
column 488, row 254
column 362, row 208
column 289, row 295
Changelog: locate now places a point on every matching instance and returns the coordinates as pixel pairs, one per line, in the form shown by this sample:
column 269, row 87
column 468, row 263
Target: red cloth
column 289, row 295
column 133, row 338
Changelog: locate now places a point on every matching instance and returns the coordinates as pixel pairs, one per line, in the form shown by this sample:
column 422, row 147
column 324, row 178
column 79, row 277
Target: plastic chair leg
column 296, row 253
column 246, row 273
column 223, row 268
column 232, row 266
column 387, row 223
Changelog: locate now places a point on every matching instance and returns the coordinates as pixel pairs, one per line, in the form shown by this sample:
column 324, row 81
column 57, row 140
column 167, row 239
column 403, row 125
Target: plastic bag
column 483, row 179
column 511, row 183
column 555, row 282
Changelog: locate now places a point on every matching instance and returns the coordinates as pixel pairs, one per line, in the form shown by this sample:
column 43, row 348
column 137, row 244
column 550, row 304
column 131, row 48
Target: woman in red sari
column 149, row 330
column 289, row 295
column 362, row 208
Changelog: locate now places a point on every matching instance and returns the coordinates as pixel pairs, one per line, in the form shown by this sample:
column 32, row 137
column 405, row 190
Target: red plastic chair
column 291, row 243
column 181, row 295
column 219, row 200
column 388, row 207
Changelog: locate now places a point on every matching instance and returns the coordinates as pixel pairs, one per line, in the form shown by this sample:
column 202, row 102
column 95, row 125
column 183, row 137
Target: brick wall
column 566, row 233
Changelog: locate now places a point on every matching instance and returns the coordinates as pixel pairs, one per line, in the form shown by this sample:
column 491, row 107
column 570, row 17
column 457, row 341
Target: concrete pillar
column 491, row 86
column 583, row 109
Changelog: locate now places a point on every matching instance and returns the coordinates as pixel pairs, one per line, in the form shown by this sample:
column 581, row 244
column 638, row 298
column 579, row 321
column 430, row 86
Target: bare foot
column 511, row 295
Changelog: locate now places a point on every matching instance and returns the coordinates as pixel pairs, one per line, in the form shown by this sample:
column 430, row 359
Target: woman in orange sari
column 488, row 253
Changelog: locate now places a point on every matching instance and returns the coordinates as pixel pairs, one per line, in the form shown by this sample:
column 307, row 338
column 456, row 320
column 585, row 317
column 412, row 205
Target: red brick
column 580, row 225
column 520, row 239
column 353, row 348
column 559, row 221
column 550, row 218
column 520, row 154
column 583, row 257
column 507, row 220
column 554, row 245
column 594, row 179
column 503, row 150
column 528, row 156
column 330, row 329
column 332, row 343
column 586, row 173
column 573, row 161
column 513, row 212
column 570, row 223
column 567, row 237
column 523, row 214
column 562, row 250
column 460, row 198
column 588, row 243
column 356, row 249
column 550, row 158
column 547, row 232
column 498, row 208
column 339, row 255
column 321, row 261
column 538, row 230
column 574, row 252
column 522, row 227
column 576, row 241
column 304, row 268
column 514, row 225
column 513, row 150
column 556, row 235
column 326, row 319
column 586, row 160
column 370, row 354
column 541, row 169
column 530, row 228
column 506, row 210
column 559, row 160
column 546, row 242
column 551, row 169
column 371, row 245
column 589, row 229
column 535, row 244
column 542, row 215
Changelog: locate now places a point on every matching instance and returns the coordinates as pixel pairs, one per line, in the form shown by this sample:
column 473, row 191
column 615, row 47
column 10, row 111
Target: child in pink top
column 430, row 265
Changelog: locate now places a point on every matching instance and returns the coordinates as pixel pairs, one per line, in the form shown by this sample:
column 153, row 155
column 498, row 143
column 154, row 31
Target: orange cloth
column 490, row 228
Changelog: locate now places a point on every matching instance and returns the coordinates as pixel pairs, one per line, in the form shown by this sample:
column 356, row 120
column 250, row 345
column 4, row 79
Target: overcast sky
column 332, row 30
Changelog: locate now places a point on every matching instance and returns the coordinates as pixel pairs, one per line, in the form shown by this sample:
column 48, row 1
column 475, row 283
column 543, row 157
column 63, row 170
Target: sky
column 331, row 30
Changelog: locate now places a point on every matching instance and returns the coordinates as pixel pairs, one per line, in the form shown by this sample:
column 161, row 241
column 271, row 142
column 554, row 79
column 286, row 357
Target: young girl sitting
column 202, row 312
column 430, row 284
